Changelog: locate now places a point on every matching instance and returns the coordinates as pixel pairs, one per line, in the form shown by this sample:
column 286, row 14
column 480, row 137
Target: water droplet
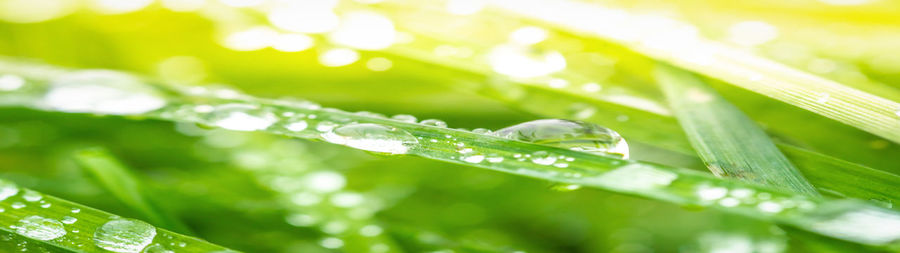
column 69, row 220
column 76, row 210
column 297, row 125
column 565, row 187
column 124, row 235
column 11, row 82
column 102, row 91
column 45, row 205
column 434, row 122
column 494, row 158
column 7, row 189
column 473, row 158
column 711, row 193
column 405, row 118
column 157, row 248
column 770, row 207
column 574, row 135
column 326, row 126
column 370, row 230
column 18, row 205
column 372, row 137
column 31, row 196
column 542, row 158
column 40, row 228
column 482, row 131
column 241, row 117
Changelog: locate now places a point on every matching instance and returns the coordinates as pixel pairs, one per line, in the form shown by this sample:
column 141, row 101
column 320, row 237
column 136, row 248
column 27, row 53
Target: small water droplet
column 372, row 137
column 31, row 196
column 76, row 210
column 297, row 125
column 542, row 158
column 241, row 117
column 405, row 118
column 473, row 158
column 574, row 135
column 494, row 158
column 326, row 126
column 69, row 220
column 45, row 205
column 124, row 235
column 40, row 228
column 434, row 122
column 102, row 91
column 18, row 205
column 157, row 248
column 331, row 243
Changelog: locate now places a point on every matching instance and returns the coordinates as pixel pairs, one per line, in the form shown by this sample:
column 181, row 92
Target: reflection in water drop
column 372, row 137
column 124, row 235
column 574, row 135
column 40, row 228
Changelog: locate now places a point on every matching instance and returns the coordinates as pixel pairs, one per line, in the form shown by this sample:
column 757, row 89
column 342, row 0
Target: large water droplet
column 124, row 235
column 574, row 135
column 40, row 228
column 372, row 137
column 102, row 91
column 241, row 117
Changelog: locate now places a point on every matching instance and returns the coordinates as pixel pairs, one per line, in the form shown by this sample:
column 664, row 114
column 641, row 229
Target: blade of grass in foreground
column 678, row 43
column 41, row 221
column 728, row 141
column 118, row 180
column 839, row 219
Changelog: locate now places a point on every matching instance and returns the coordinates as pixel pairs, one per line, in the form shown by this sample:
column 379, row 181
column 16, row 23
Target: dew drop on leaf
column 574, row 135
column 372, row 137
column 241, row 117
column 40, row 228
column 124, row 235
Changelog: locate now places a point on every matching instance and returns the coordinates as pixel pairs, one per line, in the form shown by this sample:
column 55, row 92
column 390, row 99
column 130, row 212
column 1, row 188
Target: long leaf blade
column 728, row 141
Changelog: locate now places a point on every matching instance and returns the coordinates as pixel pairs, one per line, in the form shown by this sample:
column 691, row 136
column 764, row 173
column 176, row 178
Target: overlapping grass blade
column 729, row 142
column 841, row 219
column 678, row 43
column 70, row 227
column 118, row 181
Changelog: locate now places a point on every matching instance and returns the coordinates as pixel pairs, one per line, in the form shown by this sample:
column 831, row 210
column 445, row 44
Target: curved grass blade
column 118, row 180
column 61, row 226
column 303, row 119
column 728, row 141
column 678, row 43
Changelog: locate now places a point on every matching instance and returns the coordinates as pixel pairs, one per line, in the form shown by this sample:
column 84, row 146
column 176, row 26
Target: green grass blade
column 729, row 142
column 840, row 219
column 122, row 184
column 70, row 227
column 678, row 43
